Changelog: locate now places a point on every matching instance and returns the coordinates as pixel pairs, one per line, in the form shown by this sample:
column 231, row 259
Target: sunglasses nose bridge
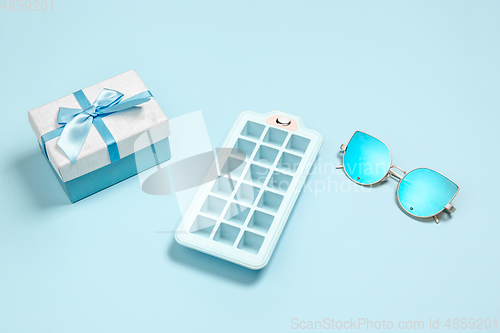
column 395, row 174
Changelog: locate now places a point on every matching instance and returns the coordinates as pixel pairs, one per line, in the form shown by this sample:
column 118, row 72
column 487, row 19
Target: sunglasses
column 422, row 192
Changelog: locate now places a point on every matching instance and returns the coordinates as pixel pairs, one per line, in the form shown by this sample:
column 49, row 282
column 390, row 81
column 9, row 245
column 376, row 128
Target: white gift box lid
column 125, row 126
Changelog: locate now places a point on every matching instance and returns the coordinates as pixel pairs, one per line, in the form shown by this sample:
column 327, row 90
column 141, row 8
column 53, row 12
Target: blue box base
column 113, row 173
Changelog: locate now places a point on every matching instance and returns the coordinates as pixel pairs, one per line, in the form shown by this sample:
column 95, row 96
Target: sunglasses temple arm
column 449, row 208
column 343, row 147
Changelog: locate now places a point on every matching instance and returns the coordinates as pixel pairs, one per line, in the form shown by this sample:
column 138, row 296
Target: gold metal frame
column 390, row 172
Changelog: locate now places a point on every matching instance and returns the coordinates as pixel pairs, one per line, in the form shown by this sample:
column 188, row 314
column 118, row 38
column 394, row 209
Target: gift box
column 91, row 137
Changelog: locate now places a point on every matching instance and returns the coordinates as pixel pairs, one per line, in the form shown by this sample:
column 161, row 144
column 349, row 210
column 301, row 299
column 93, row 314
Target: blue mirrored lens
column 424, row 192
column 366, row 159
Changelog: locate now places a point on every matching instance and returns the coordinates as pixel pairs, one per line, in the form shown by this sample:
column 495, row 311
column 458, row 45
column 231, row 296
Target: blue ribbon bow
column 77, row 122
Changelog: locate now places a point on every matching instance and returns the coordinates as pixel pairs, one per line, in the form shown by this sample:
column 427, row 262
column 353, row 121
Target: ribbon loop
column 77, row 122
column 106, row 98
column 66, row 114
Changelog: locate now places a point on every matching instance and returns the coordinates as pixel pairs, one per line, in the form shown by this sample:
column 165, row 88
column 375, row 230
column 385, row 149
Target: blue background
column 423, row 76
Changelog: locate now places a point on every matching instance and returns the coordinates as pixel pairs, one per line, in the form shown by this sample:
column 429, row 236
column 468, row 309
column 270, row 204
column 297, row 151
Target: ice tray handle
column 282, row 121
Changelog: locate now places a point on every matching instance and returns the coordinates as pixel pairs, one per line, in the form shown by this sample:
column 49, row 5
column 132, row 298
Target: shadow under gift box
column 93, row 170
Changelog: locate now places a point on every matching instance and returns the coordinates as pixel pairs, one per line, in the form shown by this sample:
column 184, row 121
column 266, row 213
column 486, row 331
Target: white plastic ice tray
column 239, row 217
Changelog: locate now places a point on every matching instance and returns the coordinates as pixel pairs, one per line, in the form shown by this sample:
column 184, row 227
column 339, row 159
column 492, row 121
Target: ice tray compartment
column 240, row 215
column 226, row 234
column 256, row 174
column 250, row 242
column 266, row 155
column 247, row 193
column 233, row 167
column 245, row 146
column 223, row 186
column 279, row 181
column 202, row 226
column 289, row 162
column 275, row 137
column 270, row 201
column 298, row 144
column 237, row 213
column 253, row 130
column 260, row 221
column 213, row 206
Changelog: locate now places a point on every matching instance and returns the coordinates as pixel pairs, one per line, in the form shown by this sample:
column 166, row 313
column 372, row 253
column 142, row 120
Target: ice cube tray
column 239, row 217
